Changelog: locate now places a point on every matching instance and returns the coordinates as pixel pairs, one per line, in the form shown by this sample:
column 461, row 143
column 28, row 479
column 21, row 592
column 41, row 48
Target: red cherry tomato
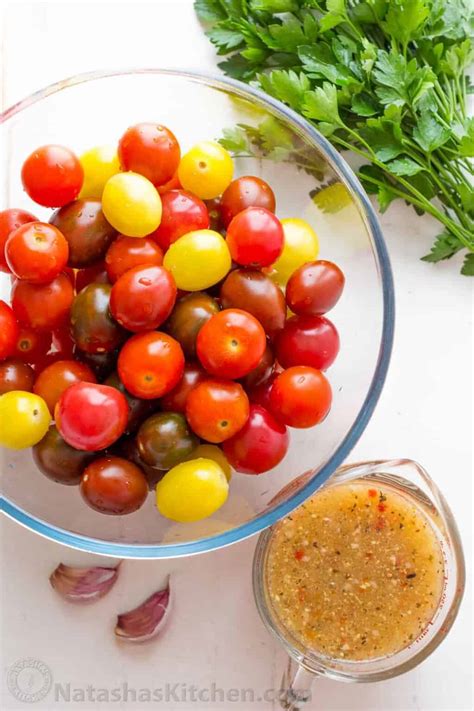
column 263, row 370
column 55, row 378
column 150, row 364
column 96, row 274
column 314, row 288
column 231, row 344
column 112, row 485
column 247, row 191
column 182, row 212
column 175, row 401
column 143, row 298
column 255, row 237
column 63, row 343
column 52, row 176
column 36, row 252
column 43, row 306
column 10, row 220
column 260, row 394
column 9, row 331
column 15, row 375
column 217, row 409
column 300, row 396
column 260, row 445
column 32, row 345
column 90, row 416
column 307, row 340
column 151, row 150
column 172, row 184
column 129, row 252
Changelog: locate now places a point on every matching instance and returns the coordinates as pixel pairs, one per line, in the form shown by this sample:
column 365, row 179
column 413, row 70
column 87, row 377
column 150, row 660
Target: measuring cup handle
column 295, row 686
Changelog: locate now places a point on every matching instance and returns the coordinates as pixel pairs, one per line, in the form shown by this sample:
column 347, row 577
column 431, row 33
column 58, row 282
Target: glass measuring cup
column 410, row 480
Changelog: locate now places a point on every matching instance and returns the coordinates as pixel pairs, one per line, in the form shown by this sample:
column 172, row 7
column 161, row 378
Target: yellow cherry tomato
column 192, row 490
column 24, row 419
column 131, row 204
column 99, row 164
column 301, row 245
column 198, row 260
column 212, row 451
column 206, row 170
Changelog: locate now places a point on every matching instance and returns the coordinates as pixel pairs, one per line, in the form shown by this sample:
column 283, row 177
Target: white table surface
column 425, row 412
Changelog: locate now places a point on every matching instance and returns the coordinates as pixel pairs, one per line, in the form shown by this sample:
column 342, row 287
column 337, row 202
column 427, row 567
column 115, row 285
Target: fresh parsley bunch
column 386, row 79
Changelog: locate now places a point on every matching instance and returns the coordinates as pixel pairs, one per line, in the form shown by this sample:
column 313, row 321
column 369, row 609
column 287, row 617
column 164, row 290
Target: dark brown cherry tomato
column 214, row 207
column 151, row 364
column 92, row 327
column 307, row 340
column 217, row 409
column 128, row 449
column 139, row 409
column 112, row 485
column 57, row 460
column 36, row 252
column 57, row 377
column 247, row 191
column 95, row 274
column 165, row 440
column 255, row 237
column 32, row 345
column 260, row 445
column 101, row 363
column 300, row 397
column 90, row 416
column 9, row 330
column 52, row 176
column 15, row 375
column 128, row 252
column 314, row 288
column 143, row 298
column 10, row 220
column 43, row 307
column 182, row 212
column 151, row 150
column 252, row 291
column 263, row 370
column 189, row 316
column 86, row 230
column 175, row 401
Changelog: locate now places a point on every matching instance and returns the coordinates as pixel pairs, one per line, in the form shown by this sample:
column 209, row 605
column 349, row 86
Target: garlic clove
column 83, row 585
column 146, row 620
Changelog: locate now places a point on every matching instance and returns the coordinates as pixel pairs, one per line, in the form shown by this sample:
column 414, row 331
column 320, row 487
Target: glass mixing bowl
column 312, row 181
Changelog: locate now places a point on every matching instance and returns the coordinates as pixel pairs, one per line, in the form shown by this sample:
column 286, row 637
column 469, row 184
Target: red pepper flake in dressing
column 381, row 507
column 372, row 493
column 379, row 524
column 299, row 554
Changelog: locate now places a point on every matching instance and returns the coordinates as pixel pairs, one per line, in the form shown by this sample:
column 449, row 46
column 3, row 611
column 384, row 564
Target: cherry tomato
column 262, row 371
column 43, row 307
column 217, row 409
column 314, row 288
column 175, row 400
column 101, row 363
column 172, row 184
column 138, row 409
column 57, row 377
column 244, row 192
column 300, row 246
column 99, row 164
column 112, row 485
column 198, row 260
column 32, row 345
column 212, row 451
column 255, row 237
column 57, row 460
column 151, row 364
column 63, row 343
column 252, row 291
column 182, row 213
column 86, row 230
column 9, row 331
column 206, row 170
column 97, row 274
column 142, row 298
column 129, row 252
column 260, row 393
column 52, row 176
column 165, row 439
column 189, row 316
column 231, row 344
column 90, row 416
column 300, row 396
column 10, row 220
column 192, row 491
column 131, row 204
column 214, row 212
column 36, row 252
column 15, row 375
column 127, row 448
column 24, row 419
column 260, row 445
column 92, row 327
column 151, row 150
column 307, row 340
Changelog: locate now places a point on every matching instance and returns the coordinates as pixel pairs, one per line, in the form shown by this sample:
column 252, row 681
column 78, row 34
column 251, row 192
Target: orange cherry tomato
column 217, row 409
column 150, row 364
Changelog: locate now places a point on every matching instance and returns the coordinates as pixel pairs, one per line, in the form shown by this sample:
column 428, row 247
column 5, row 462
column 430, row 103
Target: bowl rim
column 259, row 523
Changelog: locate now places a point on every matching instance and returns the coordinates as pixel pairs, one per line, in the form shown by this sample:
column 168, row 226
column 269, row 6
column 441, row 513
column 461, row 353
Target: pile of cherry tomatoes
column 165, row 326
